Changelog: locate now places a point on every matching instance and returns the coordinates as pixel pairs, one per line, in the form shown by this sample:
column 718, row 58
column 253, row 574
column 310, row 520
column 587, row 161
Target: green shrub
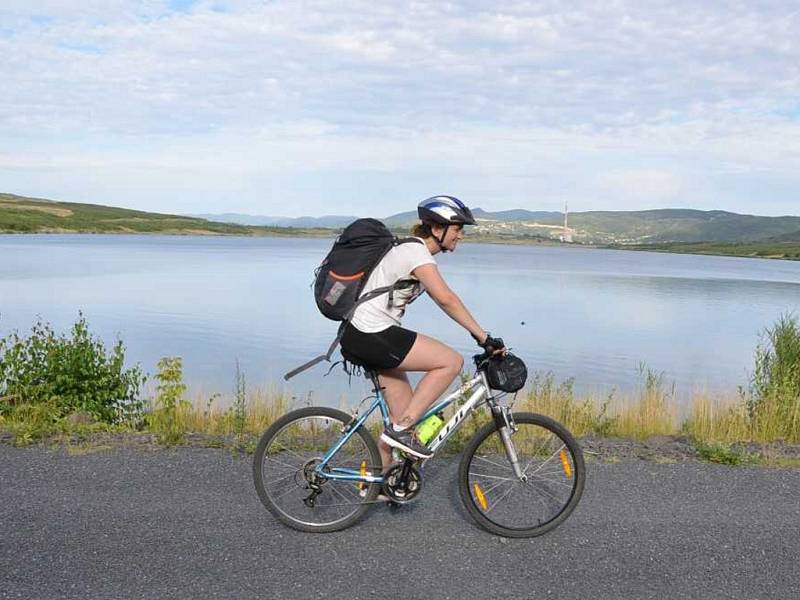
column 69, row 373
column 723, row 454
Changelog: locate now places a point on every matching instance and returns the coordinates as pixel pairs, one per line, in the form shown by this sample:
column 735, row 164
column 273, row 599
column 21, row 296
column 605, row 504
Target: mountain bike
column 318, row 469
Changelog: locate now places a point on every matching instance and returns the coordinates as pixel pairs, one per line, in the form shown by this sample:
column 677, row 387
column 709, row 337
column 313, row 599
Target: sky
column 290, row 108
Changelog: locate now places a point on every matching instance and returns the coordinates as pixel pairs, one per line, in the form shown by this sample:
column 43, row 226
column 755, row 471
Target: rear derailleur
column 313, row 481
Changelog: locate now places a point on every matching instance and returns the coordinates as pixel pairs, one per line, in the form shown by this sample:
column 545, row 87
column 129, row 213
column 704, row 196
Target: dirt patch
column 681, row 449
column 59, row 212
column 660, row 448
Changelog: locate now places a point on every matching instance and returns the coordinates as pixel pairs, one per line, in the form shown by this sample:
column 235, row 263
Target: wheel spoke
column 490, row 489
column 541, row 466
column 491, row 462
column 285, row 449
column 500, row 499
column 274, row 481
column 288, row 466
column 339, row 493
column 339, row 507
column 285, row 492
column 551, row 480
column 484, row 475
column 543, row 492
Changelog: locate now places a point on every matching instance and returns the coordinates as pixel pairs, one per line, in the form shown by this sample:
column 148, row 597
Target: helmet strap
column 440, row 241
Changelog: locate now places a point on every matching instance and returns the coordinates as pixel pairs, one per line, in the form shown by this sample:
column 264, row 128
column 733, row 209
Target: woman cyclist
column 374, row 336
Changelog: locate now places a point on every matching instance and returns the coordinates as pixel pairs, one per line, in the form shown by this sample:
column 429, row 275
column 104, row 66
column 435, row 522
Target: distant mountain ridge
column 617, row 227
column 397, row 220
column 330, row 221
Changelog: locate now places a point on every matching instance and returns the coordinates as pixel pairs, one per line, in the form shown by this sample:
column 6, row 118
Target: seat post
column 373, row 376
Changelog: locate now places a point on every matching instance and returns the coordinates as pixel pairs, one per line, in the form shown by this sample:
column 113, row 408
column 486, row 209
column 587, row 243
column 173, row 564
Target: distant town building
column 566, row 235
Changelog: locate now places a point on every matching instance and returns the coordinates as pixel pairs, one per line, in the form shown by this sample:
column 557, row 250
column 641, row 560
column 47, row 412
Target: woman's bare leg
column 397, row 391
column 441, row 365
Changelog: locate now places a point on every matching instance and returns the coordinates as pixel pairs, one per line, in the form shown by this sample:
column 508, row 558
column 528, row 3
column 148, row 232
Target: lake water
column 591, row 314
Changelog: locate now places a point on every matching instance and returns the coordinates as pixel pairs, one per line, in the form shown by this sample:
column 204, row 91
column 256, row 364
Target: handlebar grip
column 492, row 343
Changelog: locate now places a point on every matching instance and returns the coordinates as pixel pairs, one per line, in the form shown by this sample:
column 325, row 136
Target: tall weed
column 653, row 412
column 773, row 401
column 168, row 419
column 558, row 401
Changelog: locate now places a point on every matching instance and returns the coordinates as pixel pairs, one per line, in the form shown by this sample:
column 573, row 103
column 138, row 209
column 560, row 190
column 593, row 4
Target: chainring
column 399, row 488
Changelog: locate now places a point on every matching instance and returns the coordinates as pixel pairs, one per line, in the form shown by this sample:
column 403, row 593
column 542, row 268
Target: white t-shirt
column 376, row 314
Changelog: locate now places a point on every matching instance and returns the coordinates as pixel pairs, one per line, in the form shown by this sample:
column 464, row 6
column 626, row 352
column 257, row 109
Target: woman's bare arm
column 447, row 299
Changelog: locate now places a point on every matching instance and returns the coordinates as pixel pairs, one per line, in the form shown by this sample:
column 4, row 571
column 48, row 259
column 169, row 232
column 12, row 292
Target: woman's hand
column 495, row 345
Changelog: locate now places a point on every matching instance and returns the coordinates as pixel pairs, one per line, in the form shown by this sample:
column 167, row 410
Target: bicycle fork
column 505, row 426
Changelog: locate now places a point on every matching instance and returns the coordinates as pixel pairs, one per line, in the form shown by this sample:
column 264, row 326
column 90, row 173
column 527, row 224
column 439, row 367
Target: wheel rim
column 284, row 474
column 552, row 478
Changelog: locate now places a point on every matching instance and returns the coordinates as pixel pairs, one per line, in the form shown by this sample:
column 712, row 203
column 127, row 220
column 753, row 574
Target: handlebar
column 480, row 359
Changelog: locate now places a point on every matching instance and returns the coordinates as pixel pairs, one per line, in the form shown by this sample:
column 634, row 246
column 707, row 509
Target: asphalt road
column 187, row 523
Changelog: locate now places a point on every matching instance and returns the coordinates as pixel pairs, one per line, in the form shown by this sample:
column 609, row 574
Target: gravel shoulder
column 132, row 522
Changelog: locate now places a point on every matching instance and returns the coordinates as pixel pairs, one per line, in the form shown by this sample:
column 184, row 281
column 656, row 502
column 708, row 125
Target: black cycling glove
column 491, row 343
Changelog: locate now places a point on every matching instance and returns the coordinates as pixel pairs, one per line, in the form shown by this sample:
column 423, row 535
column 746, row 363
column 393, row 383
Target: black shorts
column 381, row 350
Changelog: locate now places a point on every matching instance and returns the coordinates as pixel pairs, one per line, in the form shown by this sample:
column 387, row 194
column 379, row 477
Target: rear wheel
column 554, row 473
column 286, row 479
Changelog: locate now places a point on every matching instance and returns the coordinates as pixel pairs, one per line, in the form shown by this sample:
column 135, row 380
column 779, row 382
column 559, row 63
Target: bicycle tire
column 547, row 487
column 293, row 512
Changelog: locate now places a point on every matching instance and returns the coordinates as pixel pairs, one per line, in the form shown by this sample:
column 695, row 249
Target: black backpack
column 340, row 279
column 343, row 274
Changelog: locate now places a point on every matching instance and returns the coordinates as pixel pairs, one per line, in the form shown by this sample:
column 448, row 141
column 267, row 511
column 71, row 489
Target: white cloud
column 642, row 184
column 583, row 100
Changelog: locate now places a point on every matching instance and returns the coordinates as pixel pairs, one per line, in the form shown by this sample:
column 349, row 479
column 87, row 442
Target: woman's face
column 455, row 233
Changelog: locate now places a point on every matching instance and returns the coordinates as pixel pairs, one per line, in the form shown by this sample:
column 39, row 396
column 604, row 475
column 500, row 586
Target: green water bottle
column 429, row 428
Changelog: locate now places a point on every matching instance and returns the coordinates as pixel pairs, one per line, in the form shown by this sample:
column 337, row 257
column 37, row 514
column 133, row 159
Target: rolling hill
column 20, row 214
column 673, row 230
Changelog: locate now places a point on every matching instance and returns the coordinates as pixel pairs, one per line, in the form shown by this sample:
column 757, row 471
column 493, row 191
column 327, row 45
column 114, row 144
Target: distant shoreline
column 778, row 237
column 789, row 251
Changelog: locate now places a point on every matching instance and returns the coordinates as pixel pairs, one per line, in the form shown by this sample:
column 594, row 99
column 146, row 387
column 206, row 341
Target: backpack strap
column 340, row 332
column 401, row 284
column 321, row 357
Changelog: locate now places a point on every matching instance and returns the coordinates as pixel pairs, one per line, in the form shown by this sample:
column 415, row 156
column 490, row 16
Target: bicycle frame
column 480, row 391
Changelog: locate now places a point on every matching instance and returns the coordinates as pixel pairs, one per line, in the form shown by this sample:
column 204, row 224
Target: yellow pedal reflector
column 565, row 464
column 480, row 496
column 363, row 471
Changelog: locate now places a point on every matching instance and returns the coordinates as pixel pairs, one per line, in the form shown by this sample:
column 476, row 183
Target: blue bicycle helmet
column 445, row 210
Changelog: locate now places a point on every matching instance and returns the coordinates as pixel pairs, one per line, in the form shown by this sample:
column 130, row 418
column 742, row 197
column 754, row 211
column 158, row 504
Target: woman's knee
column 453, row 363
column 428, row 354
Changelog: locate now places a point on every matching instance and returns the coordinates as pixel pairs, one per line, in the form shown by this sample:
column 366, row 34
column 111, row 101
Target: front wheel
column 553, row 472
column 286, row 470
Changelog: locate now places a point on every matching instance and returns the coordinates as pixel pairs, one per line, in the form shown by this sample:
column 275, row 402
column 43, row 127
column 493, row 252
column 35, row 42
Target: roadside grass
column 649, row 412
column 718, row 428
column 722, row 429
column 27, row 423
column 240, row 415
